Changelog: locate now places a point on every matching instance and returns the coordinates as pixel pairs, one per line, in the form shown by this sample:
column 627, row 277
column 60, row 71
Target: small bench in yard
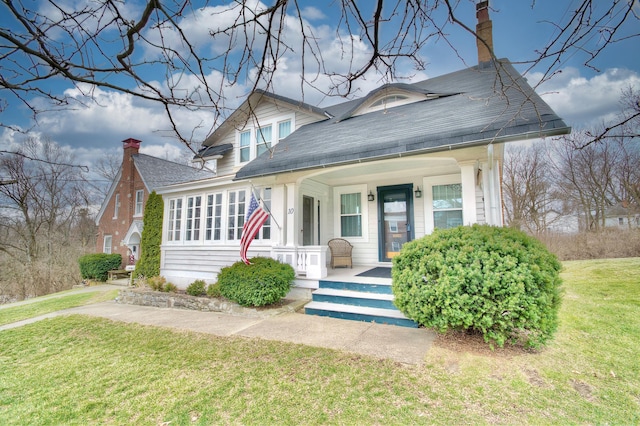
column 118, row 273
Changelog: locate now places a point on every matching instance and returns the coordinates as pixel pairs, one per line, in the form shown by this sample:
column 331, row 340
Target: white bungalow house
column 377, row 171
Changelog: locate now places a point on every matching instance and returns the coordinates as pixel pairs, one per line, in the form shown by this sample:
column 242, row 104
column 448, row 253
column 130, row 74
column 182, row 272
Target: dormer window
column 388, row 101
column 255, row 141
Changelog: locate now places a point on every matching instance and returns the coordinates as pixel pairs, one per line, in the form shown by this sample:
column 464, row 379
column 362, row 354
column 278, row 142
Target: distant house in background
column 119, row 220
column 622, row 216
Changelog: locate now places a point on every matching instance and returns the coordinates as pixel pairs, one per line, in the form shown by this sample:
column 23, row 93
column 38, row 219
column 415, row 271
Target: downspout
column 492, row 192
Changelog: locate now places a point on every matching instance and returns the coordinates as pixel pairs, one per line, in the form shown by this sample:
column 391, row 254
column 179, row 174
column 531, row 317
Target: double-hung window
column 213, row 218
column 245, row 146
column 351, row 212
column 255, row 140
column 106, row 246
column 263, row 140
column 116, row 206
column 236, row 212
column 175, row 219
column 351, row 215
column 139, row 202
column 265, row 231
column 284, row 129
column 447, row 205
column 194, row 210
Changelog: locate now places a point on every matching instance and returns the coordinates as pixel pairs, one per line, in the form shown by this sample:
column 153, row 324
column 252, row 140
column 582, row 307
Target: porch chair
column 340, row 252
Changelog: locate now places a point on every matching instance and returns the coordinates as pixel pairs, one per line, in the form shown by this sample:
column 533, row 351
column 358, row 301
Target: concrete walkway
column 401, row 344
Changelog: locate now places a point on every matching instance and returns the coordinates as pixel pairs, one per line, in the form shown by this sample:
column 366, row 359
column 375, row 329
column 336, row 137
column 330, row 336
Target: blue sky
column 583, row 96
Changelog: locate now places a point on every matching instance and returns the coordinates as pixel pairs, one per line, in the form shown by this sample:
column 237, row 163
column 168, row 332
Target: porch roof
column 485, row 104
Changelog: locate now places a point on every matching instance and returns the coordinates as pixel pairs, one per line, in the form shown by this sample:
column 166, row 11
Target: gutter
column 450, row 147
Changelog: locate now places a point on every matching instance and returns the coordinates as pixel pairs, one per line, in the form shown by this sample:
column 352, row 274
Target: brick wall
column 130, row 182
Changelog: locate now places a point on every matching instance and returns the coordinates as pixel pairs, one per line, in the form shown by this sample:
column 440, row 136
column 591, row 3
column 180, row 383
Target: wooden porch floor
column 346, row 275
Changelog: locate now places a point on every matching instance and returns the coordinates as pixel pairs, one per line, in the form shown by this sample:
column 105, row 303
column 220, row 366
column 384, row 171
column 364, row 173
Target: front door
column 395, row 223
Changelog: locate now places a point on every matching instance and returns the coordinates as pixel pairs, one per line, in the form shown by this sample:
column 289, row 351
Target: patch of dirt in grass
column 534, row 378
column 585, row 390
column 473, row 343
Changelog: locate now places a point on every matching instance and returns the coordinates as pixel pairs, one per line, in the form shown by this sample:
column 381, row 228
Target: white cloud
column 312, row 13
column 584, row 102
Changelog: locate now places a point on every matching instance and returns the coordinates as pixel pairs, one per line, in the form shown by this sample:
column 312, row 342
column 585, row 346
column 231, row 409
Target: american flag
column 253, row 221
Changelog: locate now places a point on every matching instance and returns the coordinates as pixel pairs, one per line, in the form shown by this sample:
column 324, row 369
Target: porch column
column 493, row 193
column 468, row 179
column 291, row 215
column 278, row 207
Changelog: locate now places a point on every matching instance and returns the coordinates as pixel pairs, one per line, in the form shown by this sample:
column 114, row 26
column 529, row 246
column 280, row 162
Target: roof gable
column 241, row 116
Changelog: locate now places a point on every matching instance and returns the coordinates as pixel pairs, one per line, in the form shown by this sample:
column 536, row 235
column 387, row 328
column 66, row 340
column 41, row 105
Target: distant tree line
column 548, row 181
column 46, row 220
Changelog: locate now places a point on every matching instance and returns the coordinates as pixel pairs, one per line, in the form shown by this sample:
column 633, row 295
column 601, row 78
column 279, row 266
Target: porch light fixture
column 371, row 197
column 418, row 192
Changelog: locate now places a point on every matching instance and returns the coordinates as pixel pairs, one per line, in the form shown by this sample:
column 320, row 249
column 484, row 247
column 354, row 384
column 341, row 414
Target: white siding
column 183, row 265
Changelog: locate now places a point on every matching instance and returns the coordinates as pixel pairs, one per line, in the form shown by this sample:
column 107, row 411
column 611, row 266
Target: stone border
column 158, row 299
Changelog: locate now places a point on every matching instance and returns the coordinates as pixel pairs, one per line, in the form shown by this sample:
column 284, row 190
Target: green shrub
column 214, row 290
column 170, row 288
column 96, row 266
column 156, row 283
column 149, row 263
column 197, row 288
column 496, row 281
column 264, row 282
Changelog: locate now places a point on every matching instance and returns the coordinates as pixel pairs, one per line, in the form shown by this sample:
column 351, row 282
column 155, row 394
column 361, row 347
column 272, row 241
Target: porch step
column 360, row 301
column 355, row 298
column 359, row 313
column 380, row 288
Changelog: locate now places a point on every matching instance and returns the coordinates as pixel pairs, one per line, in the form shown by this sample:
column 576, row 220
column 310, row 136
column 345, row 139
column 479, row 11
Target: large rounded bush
column 497, row 281
column 264, row 282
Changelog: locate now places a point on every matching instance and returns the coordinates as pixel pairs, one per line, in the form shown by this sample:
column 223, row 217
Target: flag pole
column 264, row 205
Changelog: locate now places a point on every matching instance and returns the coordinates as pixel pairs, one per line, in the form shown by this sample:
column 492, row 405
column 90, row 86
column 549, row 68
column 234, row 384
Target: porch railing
column 310, row 261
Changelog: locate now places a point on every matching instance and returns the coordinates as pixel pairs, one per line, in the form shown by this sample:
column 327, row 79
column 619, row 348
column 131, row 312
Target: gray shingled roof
column 156, row 172
column 481, row 106
column 212, row 151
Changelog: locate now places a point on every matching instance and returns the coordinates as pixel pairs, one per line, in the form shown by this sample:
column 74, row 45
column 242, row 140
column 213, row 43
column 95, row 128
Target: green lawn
column 80, row 370
column 48, row 304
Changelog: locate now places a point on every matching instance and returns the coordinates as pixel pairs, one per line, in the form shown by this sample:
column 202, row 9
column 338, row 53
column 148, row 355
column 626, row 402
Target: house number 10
column 290, row 211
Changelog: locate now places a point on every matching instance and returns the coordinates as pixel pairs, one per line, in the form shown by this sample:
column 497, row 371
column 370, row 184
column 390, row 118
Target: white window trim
column 428, row 184
column 193, row 219
column 337, row 192
column 136, row 213
column 106, row 248
column 253, row 129
column 223, row 218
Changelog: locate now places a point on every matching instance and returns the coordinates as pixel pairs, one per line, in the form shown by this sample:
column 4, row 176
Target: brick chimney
column 484, row 31
column 131, row 147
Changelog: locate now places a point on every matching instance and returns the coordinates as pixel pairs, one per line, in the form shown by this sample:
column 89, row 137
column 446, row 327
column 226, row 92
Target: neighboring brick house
column 119, row 220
